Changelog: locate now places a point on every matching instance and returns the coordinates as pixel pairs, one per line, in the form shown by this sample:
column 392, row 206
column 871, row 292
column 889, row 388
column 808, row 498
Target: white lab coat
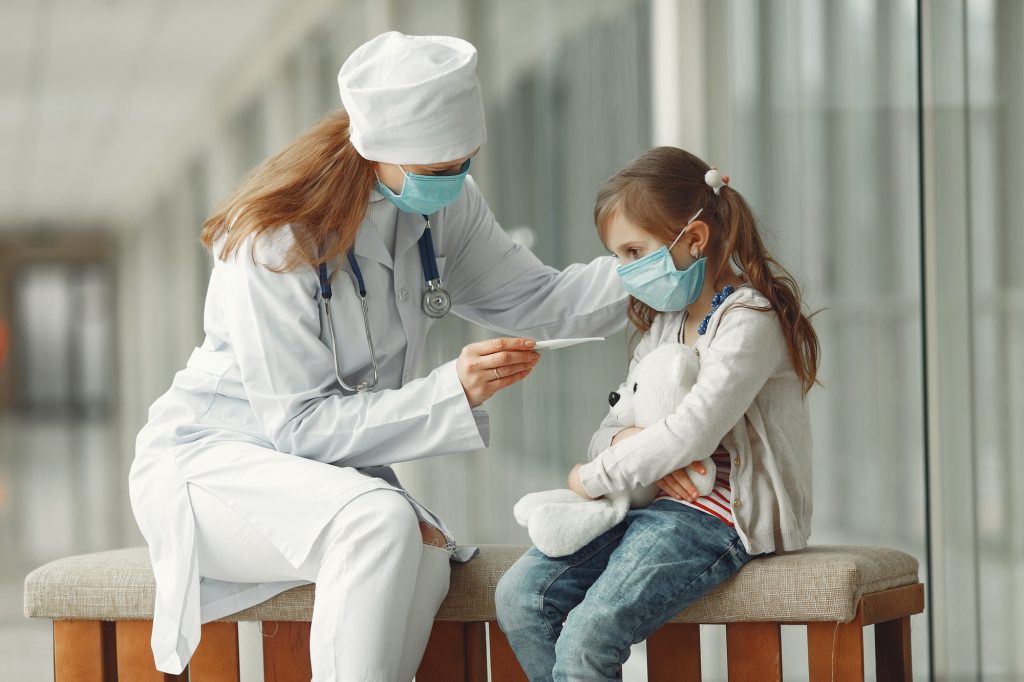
column 257, row 415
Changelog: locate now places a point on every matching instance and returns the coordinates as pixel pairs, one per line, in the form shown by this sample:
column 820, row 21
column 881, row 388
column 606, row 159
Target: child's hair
column 659, row 191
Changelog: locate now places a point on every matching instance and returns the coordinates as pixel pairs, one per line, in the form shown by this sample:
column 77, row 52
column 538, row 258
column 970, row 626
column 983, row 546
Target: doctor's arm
column 747, row 349
column 289, row 377
column 500, row 284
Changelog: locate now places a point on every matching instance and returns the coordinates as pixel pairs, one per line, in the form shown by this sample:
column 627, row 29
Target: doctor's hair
column 318, row 184
column 664, row 187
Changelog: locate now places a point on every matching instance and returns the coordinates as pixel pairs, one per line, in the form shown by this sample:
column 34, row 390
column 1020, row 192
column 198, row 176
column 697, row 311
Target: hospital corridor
column 473, row 152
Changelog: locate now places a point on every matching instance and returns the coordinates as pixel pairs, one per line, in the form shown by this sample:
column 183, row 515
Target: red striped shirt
column 718, row 502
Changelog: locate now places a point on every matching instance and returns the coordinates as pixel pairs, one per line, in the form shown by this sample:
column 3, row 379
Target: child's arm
column 746, row 351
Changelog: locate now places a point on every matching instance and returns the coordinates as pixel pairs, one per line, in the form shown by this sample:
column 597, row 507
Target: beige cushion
column 816, row 584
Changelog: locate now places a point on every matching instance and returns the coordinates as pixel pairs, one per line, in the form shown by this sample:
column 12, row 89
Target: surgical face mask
column 655, row 280
column 426, row 194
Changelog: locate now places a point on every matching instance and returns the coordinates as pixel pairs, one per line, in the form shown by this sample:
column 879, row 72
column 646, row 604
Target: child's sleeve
column 610, row 425
column 747, row 350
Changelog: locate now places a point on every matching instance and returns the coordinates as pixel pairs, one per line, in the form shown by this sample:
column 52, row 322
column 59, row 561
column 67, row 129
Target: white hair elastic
column 715, row 180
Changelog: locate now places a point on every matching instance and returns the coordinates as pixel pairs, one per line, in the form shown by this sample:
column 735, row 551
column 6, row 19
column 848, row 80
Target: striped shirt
column 718, row 502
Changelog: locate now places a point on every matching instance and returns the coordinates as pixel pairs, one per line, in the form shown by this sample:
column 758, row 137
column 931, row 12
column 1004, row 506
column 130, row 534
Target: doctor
column 265, row 465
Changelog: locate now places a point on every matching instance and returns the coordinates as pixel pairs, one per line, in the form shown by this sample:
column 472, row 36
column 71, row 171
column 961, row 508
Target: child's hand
column 678, row 483
column 576, row 486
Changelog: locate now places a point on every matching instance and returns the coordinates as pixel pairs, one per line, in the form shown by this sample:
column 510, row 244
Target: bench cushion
column 816, row 584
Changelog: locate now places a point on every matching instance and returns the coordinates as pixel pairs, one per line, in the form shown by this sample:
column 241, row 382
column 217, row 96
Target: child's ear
column 697, row 236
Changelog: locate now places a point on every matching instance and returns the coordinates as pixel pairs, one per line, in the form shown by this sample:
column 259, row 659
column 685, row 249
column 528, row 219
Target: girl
column 693, row 261
column 265, row 465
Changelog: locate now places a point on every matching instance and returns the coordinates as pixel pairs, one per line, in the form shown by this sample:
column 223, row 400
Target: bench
column 101, row 608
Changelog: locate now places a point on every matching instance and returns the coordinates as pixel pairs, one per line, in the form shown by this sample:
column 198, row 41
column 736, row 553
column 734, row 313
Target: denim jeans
column 575, row 617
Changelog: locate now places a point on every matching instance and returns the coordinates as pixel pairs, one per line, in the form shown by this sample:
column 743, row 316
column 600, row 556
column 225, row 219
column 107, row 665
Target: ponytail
column 744, row 249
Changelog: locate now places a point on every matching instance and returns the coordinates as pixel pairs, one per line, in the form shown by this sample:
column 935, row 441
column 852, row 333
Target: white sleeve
column 747, row 349
column 500, row 284
column 288, row 374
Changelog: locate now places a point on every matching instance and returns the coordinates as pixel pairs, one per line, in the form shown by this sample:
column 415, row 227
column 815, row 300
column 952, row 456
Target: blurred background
column 881, row 143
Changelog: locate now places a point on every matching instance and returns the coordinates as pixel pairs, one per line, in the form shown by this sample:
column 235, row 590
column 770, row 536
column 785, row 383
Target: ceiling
column 94, row 95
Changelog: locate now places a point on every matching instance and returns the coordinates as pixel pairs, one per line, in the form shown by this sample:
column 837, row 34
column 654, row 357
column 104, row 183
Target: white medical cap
column 413, row 99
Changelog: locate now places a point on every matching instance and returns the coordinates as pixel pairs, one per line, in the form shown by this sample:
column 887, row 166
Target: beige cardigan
column 748, row 398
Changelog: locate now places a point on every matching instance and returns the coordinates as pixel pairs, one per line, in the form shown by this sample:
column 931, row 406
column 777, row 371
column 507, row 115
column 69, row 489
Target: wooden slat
column 835, row 651
column 673, row 653
column 887, row 605
column 135, row 656
column 216, row 659
column 476, row 651
column 286, row 652
column 84, row 651
column 456, row 652
column 754, row 651
column 892, row 651
column 504, row 664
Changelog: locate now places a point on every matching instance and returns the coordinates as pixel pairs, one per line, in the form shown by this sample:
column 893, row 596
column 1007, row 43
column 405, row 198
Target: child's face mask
column 655, row 280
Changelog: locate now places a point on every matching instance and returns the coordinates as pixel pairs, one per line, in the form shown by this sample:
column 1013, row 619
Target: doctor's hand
column 486, row 367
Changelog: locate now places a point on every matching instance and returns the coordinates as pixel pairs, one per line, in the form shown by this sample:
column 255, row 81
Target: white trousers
column 378, row 586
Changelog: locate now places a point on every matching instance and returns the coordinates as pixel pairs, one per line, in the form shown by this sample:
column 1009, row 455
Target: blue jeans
column 575, row 617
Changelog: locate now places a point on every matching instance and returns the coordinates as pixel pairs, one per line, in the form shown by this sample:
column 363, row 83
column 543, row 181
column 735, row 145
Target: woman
column 265, row 465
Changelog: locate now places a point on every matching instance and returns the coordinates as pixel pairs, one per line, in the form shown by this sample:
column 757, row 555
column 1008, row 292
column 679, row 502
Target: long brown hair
column 664, row 187
column 318, row 184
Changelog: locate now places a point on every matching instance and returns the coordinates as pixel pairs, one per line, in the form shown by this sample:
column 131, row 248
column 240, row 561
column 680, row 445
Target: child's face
column 630, row 242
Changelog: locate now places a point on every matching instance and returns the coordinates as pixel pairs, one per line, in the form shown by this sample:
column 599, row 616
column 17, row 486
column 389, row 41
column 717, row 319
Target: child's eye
column 633, row 253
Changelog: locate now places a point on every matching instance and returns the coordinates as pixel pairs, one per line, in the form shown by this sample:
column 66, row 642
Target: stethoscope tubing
column 428, row 261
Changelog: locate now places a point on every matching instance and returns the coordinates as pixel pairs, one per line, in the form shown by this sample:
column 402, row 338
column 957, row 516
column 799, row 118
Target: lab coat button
column 403, row 294
column 735, row 504
column 736, row 462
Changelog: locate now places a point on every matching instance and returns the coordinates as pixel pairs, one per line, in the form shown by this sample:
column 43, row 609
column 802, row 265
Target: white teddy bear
column 561, row 522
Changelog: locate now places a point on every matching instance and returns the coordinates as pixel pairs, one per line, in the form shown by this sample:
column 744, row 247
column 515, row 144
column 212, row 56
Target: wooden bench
column 101, row 606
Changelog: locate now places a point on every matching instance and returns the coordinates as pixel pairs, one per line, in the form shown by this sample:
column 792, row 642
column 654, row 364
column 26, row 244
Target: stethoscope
column 436, row 301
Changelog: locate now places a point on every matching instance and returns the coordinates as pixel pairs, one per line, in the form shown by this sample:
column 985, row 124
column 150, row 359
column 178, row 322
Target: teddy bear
column 561, row 522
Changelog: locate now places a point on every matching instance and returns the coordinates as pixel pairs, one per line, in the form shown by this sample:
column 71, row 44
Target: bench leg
column 135, row 656
column 216, row 659
column 456, row 652
column 673, row 653
column 754, row 651
column 286, row 651
column 504, row 664
column 835, row 651
column 76, row 644
column 892, row 651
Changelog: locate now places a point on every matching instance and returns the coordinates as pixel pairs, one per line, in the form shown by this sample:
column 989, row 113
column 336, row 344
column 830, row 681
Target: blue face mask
column 426, row 194
column 654, row 279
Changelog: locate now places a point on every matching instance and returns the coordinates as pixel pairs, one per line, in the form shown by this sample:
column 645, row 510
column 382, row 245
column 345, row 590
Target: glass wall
column 995, row 137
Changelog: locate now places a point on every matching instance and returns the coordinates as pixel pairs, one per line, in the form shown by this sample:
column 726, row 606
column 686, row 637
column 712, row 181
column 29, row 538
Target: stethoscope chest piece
column 436, row 301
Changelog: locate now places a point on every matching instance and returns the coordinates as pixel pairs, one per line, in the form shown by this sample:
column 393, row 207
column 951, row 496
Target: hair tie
column 715, row 180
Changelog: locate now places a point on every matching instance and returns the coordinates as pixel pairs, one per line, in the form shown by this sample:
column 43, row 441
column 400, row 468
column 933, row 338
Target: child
column 698, row 273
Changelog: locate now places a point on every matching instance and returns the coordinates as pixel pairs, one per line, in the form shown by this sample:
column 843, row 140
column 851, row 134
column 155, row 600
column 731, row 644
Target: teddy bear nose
column 613, row 398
